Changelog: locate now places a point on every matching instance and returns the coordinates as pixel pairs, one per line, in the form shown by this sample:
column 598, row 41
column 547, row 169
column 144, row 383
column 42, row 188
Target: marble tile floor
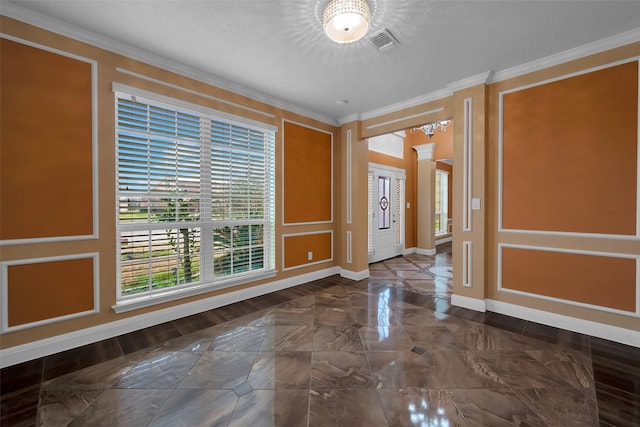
column 386, row 351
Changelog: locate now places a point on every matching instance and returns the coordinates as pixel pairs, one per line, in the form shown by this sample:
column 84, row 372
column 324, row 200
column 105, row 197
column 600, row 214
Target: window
column 384, row 203
column 195, row 199
column 441, row 201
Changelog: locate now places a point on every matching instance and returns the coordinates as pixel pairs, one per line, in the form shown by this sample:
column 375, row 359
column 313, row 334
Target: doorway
column 386, row 212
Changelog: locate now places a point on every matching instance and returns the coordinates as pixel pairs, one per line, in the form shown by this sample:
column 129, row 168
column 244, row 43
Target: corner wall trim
column 22, row 353
column 409, row 251
column 354, row 275
column 428, row 252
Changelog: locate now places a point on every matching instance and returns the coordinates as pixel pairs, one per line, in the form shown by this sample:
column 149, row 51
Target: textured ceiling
column 273, row 49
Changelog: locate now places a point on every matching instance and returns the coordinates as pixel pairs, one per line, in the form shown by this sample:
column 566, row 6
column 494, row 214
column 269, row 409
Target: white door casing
column 386, row 212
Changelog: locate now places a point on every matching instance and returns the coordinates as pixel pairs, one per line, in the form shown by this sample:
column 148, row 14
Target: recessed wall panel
column 298, row 247
column 599, row 280
column 47, row 290
column 569, row 154
column 307, row 175
column 46, row 144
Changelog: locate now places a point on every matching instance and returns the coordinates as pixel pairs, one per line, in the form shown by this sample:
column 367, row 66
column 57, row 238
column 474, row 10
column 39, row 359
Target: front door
column 386, row 213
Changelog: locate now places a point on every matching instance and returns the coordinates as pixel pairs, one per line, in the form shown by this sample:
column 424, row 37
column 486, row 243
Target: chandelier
column 346, row 21
column 430, row 129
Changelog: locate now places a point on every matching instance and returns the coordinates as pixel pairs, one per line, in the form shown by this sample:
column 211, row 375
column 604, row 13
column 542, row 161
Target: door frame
column 376, row 170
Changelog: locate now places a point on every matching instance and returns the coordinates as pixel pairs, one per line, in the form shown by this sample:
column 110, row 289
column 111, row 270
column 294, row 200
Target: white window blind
column 195, row 198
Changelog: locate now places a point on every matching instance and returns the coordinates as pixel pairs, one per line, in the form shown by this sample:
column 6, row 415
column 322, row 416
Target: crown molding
column 478, row 79
column 48, row 23
column 349, row 118
column 422, row 99
column 602, row 45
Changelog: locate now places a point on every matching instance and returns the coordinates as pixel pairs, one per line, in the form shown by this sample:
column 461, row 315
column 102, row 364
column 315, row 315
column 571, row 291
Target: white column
column 425, row 227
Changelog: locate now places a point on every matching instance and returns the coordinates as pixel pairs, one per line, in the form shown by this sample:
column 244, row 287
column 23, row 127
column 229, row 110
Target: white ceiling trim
column 422, row 99
column 489, row 77
column 478, row 79
column 568, row 55
column 401, row 119
column 85, row 36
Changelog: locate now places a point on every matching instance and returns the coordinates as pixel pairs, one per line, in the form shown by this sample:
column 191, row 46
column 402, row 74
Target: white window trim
column 206, row 284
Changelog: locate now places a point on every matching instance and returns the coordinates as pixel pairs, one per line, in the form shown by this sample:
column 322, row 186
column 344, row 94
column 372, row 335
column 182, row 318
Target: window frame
column 205, row 224
column 443, row 212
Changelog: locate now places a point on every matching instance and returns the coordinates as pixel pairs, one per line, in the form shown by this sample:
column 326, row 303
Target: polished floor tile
column 345, row 408
column 281, row 370
column 272, row 408
column 219, row 370
column 418, row 406
column 196, row 408
column 340, row 370
column 387, row 351
column 494, row 407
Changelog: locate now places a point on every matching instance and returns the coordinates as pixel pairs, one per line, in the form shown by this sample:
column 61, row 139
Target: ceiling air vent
column 383, row 39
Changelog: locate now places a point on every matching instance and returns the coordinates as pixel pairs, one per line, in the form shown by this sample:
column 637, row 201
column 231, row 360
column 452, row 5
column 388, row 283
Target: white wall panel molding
column 286, row 224
column 4, row 290
column 310, row 233
column 467, row 264
column 349, row 177
column 94, row 145
column 501, row 160
column 636, row 257
column 467, row 165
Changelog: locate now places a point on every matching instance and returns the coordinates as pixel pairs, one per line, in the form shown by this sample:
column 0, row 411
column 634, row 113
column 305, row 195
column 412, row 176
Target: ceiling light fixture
column 430, row 129
column 346, row 21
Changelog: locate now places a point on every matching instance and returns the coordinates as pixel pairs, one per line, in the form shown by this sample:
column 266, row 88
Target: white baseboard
column 587, row 327
column 467, row 302
column 444, row 240
column 22, row 353
column 353, row 275
column 426, row 251
column 409, row 251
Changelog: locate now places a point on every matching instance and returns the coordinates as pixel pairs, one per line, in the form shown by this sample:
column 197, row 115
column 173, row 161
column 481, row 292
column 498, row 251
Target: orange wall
column 571, row 276
column 566, row 146
column 145, row 77
column 45, row 290
column 569, row 188
column 297, row 248
column 409, row 162
column 46, row 151
column 307, row 173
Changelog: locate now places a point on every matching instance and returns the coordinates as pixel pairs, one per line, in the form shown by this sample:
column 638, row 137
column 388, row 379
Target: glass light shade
column 346, row 21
